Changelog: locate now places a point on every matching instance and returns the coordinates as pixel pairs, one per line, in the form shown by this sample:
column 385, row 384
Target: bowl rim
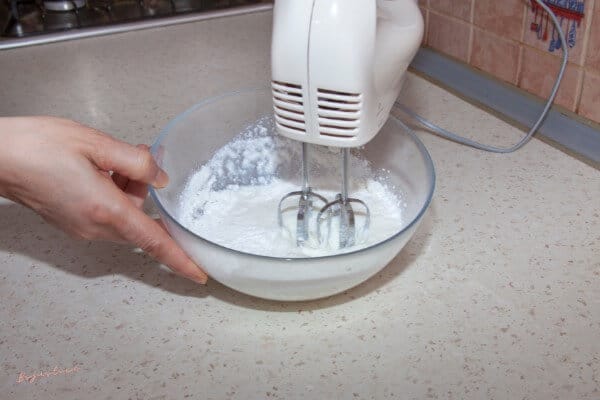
column 181, row 117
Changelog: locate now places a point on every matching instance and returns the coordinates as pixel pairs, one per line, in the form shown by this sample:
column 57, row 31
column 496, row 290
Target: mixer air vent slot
column 338, row 112
column 288, row 106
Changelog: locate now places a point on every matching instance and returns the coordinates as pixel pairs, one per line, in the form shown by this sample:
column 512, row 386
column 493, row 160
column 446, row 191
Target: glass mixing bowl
column 191, row 139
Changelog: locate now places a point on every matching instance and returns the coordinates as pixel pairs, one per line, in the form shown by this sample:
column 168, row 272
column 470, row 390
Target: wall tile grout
column 452, row 17
column 472, row 14
column 588, row 31
column 519, row 64
column 579, row 89
column 585, row 43
column 521, row 43
column 471, row 32
column 470, row 44
column 524, row 22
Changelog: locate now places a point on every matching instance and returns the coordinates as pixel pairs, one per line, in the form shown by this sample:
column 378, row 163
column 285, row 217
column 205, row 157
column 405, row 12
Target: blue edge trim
column 560, row 128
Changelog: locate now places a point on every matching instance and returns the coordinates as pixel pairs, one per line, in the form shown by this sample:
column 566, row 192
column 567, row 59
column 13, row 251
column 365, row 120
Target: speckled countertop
column 497, row 296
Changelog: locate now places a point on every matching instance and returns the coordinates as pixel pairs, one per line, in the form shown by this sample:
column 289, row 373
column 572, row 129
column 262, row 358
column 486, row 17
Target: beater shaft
column 347, row 228
column 341, row 208
column 345, row 164
column 304, row 166
column 305, row 202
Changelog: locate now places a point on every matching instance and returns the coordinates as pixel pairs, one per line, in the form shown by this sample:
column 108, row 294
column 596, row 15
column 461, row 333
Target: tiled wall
column 495, row 36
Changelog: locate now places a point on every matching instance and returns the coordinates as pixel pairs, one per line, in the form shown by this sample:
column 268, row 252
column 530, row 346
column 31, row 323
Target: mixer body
column 338, row 66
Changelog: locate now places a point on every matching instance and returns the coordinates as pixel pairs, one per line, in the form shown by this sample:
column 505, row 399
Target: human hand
column 62, row 170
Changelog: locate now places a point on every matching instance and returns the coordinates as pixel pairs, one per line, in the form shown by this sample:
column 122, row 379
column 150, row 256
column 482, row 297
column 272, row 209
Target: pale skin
column 88, row 184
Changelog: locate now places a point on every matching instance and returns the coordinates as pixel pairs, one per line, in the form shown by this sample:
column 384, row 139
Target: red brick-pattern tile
column 538, row 73
column 589, row 106
column 449, row 35
column 498, row 56
column 593, row 51
column 504, row 18
column 454, row 8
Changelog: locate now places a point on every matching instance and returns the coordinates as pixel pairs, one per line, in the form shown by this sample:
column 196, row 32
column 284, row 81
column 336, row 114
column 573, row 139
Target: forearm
column 26, row 155
column 13, row 152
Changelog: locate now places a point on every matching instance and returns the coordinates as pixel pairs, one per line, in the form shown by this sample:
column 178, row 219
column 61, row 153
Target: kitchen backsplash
column 511, row 41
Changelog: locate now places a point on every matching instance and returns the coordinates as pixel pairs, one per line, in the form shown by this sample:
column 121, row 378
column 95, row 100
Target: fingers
column 134, row 167
column 160, row 223
column 136, row 191
column 120, row 180
column 135, row 163
column 141, row 230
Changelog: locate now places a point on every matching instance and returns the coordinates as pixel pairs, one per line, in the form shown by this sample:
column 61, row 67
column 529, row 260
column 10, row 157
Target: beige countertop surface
column 496, row 297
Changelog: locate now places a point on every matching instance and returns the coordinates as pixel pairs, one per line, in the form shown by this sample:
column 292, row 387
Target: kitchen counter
column 497, row 296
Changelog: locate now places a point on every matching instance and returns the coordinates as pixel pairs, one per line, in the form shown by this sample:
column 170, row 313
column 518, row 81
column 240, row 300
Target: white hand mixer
column 337, row 69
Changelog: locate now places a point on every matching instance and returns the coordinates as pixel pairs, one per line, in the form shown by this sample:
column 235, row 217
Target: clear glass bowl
column 191, row 139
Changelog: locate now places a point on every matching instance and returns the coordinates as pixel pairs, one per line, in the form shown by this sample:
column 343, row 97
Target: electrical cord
column 468, row 142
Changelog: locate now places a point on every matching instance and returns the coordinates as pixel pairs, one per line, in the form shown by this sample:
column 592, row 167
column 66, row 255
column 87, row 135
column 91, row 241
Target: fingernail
column 198, row 276
column 161, row 180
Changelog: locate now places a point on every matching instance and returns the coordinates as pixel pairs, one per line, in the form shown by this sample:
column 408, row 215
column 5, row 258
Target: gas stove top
column 37, row 21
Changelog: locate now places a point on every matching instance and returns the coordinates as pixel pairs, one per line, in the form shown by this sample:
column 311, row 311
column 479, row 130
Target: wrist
column 13, row 152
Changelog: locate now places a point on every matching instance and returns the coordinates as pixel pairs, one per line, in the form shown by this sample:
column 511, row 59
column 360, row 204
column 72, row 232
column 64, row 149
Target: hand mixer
column 337, row 68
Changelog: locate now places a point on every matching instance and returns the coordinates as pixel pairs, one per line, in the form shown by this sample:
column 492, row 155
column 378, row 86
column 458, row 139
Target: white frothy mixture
column 232, row 200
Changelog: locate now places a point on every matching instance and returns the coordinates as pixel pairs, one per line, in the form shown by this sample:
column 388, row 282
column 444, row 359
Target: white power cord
column 466, row 141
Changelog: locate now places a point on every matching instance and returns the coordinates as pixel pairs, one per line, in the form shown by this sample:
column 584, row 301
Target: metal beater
column 305, row 202
column 339, row 209
column 342, row 209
